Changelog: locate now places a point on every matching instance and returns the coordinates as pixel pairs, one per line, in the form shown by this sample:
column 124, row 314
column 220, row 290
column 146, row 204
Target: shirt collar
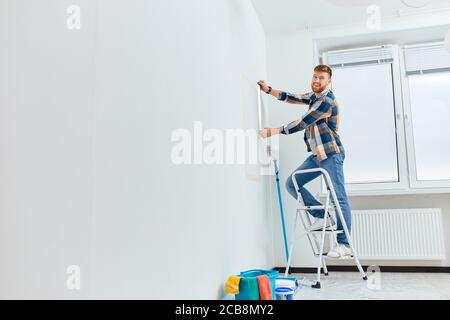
column 322, row 94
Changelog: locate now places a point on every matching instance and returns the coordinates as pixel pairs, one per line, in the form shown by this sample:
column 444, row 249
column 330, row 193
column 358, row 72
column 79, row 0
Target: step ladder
column 331, row 204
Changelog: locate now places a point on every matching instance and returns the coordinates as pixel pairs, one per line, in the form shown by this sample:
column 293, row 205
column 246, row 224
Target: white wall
column 45, row 148
column 291, row 59
column 86, row 175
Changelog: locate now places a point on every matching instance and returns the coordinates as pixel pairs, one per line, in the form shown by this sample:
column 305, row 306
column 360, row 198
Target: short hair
column 324, row 68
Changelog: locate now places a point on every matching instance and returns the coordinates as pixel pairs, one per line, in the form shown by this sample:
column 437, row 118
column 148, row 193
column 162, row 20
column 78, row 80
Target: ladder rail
column 344, row 224
column 323, row 239
column 335, row 205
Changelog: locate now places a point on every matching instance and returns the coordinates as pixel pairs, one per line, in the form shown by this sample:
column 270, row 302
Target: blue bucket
column 252, row 293
column 284, row 293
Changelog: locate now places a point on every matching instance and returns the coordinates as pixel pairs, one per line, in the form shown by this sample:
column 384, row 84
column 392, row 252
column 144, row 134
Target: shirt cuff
column 282, row 96
column 282, row 130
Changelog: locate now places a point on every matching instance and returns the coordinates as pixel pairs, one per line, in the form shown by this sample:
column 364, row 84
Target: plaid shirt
column 320, row 123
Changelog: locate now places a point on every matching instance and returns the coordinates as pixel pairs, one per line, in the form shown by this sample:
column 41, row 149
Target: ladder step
column 326, row 231
column 340, row 258
column 311, row 208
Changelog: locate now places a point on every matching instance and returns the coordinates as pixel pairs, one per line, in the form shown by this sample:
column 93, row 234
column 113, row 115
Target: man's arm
column 286, row 96
column 276, row 93
column 295, row 98
column 320, row 110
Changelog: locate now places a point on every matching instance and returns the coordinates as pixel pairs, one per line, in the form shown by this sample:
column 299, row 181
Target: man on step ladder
column 320, row 124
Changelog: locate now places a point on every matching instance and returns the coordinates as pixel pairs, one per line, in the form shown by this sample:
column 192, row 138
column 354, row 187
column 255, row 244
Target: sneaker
column 318, row 224
column 340, row 251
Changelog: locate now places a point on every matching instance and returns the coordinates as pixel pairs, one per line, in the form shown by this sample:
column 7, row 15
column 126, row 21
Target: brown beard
column 318, row 90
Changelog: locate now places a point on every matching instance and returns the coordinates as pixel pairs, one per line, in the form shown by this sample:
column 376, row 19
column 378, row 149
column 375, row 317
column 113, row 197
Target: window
column 366, row 83
column 427, row 97
column 430, row 111
column 394, row 105
column 367, row 124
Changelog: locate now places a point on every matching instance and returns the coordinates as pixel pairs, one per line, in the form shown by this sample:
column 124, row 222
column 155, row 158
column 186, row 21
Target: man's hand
column 263, row 86
column 267, row 132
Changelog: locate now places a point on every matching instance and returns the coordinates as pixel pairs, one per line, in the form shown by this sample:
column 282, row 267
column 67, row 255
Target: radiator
column 398, row 234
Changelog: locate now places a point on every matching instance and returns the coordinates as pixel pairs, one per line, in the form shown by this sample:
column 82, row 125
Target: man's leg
column 335, row 168
column 302, row 179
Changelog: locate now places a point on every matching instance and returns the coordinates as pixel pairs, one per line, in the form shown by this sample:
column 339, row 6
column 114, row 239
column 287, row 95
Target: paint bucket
column 284, row 293
column 292, row 283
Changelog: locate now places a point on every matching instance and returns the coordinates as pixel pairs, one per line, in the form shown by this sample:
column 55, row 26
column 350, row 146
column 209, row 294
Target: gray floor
column 349, row 285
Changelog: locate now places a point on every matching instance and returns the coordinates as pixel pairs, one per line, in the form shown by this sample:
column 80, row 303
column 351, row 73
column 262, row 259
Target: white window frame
column 415, row 184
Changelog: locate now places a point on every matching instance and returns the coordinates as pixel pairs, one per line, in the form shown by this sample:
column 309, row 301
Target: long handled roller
column 275, row 163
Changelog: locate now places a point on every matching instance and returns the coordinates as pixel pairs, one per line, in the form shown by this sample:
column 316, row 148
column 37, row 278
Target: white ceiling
column 403, row 37
column 289, row 15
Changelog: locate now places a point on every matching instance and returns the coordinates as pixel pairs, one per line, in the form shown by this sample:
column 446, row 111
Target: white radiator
column 396, row 234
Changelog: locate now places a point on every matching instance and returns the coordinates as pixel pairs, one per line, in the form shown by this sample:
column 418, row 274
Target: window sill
column 390, row 192
column 398, row 192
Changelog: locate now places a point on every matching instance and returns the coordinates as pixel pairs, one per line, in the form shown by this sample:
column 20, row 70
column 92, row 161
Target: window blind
column 426, row 58
column 359, row 56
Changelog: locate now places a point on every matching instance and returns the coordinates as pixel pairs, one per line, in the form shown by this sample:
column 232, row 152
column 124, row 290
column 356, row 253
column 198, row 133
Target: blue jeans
column 334, row 165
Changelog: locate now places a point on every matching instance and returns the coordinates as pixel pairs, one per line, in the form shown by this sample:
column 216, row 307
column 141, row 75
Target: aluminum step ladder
column 331, row 204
